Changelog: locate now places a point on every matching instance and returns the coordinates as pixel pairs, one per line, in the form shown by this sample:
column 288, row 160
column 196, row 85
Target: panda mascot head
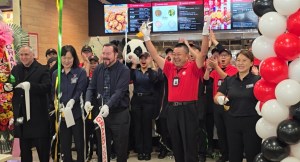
column 133, row 48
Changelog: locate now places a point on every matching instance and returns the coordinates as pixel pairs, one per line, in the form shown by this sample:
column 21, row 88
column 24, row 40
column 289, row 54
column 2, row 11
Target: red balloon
column 264, row 91
column 293, row 23
column 286, row 46
column 274, row 70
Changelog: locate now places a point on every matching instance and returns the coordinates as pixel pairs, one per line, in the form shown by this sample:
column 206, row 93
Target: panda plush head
column 133, row 48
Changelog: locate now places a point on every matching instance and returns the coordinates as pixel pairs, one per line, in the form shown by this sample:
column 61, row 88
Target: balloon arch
column 278, row 91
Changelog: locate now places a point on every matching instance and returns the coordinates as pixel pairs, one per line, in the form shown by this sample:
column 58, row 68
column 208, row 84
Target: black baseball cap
column 145, row 54
column 93, row 58
column 214, row 50
column 51, row 50
column 168, row 50
column 225, row 50
column 86, row 48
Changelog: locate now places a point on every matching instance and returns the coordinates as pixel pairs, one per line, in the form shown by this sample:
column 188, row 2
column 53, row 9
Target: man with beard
column 221, row 69
column 109, row 86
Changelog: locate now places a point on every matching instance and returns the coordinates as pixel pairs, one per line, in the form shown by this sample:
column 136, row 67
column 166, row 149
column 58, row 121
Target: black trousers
column 219, row 118
column 201, row 107
column 162, row 129
column 183, row 125
column 209, row 125
column 117, row 130
column 42, row 146
column 203, row 143
column 90, row 135
column 242, row 138
column 66, row 140
column 142, row 112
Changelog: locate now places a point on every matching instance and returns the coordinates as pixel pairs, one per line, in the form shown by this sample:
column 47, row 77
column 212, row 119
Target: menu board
column 115, row 18
column 189, row 15
column 220, row 11
column 243, row 15
column 177, row 16
column 164, row 16
column 138, row 13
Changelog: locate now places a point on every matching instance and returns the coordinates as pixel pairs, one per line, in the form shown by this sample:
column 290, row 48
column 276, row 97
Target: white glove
column 24, row 85
column 8, row 87
column 88, row 107
column 104, row 111
column 146, row 29
column 11, row 122
column 222, row 100
column 205, row 30
column 70, row 104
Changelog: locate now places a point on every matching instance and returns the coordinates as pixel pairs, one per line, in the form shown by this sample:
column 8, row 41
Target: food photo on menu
column 220, row 11
column 116, row 18
column 164, row 16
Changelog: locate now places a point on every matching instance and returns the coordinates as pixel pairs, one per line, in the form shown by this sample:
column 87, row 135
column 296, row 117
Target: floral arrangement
column 6, row 110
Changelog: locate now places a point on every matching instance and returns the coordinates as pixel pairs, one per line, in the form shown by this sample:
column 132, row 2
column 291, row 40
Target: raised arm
column 205, row 42
column 215, row 42
column 146, row 29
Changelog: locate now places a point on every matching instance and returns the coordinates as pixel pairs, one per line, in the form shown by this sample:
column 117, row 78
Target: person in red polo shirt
column 183, row 81
column 221, row 69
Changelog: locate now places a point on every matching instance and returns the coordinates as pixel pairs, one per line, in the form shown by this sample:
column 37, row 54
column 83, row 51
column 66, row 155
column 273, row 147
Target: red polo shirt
column 229, row 70
column 187, row 88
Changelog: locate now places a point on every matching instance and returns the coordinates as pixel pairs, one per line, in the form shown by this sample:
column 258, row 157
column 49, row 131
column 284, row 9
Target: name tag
column 74, row 79
column 175, row 81
column 220, row 82
column 249, row 86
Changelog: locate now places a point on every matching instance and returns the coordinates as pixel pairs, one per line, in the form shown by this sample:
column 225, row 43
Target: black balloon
column 288, row 131
column 260, row 7
column 295, row 111
column 260, row 158
column 274, row 150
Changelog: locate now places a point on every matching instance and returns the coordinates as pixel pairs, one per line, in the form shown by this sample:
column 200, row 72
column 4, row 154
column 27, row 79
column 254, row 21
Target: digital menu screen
column 116, row 19
column 177, row 16
column 190, row 15
column 243, row 15
column 164, row 16
column 138, row 13
column 220, row 11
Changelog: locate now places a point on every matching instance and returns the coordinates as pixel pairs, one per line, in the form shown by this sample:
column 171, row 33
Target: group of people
column 174, row 88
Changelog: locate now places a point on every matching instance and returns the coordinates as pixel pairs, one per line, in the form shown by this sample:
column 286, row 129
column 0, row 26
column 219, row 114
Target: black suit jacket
column 39, row 79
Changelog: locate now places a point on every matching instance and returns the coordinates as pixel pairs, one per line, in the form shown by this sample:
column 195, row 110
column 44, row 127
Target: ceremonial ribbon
column 59, row 6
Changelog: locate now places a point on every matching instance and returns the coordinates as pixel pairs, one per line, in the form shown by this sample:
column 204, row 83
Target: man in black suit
column 31, row 109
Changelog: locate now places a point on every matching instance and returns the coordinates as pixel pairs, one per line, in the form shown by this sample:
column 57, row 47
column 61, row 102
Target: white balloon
column 272, row 24
column 286, row 7
column 274, row 112
column 287, row 92
column 257, row 108
column 263, row 47
column 290, row 159
column 294, row 70
column 265, row 129
column 295, row 150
